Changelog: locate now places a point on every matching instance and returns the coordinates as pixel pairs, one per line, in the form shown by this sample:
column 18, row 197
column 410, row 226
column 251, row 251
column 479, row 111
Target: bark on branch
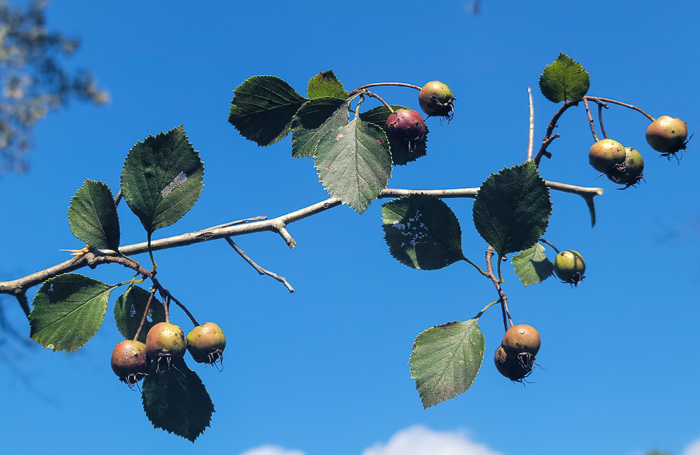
column 278, row 225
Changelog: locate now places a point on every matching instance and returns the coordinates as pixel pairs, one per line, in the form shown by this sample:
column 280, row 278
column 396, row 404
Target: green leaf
column 422, row 232
column 162, row 179
column 400, row 153
column 325, row 84
column 68, row 311
column 446, row 359
column 512, row 209
column 313, row 120
column 354, row 163
column 92, row 216
column 175, row 400
column 262, row 109
column 564, row 79
column 128, row 312
column 532, row 265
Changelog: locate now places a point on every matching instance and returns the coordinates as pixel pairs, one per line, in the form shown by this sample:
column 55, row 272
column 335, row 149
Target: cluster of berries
column 408, row 127
column 624, row 165
column 165, row 342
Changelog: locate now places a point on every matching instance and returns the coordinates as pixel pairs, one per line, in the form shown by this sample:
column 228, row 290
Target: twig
column 548, row 137
column 553, row 247
column 596, row 99
column 503, row 299
column 590, row 119
column 259, row 269
column 374, row 95
column 92, row 258
column 600, row 118
column 531, row 131
column 384, row 84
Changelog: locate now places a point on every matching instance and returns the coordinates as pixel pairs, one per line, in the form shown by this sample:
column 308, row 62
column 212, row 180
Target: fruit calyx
column 630, row 173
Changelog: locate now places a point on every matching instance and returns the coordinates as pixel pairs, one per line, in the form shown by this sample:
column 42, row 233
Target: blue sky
column 323, row 371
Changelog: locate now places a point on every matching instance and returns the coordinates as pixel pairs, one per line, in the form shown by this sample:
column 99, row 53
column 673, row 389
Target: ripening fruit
column 206, row 343
column 129, row 361
column 631, row 172
column 667, row 135
column 521, row 339
column 436, row 99
column 511, row 366
column 605, row 154
column 569, row 266
column 405, row 125
column 165, row 340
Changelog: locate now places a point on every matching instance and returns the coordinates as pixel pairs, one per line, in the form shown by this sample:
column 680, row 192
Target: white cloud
column 419, row 440
column 693, row 448
column 271, row 450
column 416, row 440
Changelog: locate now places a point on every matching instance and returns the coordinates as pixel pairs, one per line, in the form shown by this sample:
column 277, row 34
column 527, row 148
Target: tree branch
column 87, row 257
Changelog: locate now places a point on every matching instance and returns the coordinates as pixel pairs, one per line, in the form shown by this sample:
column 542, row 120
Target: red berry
column 405, row 125
column 129, row 361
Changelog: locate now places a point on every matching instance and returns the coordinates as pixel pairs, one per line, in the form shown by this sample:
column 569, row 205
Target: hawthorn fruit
column 129, row 361
column 206, row 343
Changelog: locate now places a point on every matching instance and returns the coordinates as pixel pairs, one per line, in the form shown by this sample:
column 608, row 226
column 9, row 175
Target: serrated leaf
column 422, row 232
column 128, row 312
column 532, row 265
column 262, row 109
column 68, row 311
column 564, row 79
column 313, row 120
column 162, row 179
column 92, row 216
column 446, row 359
column 512, row 209
column 175, row 400
column 354, row 163
column 326, row 84
column 400, row 153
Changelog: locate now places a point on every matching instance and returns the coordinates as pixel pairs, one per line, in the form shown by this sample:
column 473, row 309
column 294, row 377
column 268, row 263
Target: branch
column 259, row 269
column 86, row 257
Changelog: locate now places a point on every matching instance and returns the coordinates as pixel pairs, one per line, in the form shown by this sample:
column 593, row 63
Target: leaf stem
column 475, row 266
column 150, row 251
column 483, row 310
